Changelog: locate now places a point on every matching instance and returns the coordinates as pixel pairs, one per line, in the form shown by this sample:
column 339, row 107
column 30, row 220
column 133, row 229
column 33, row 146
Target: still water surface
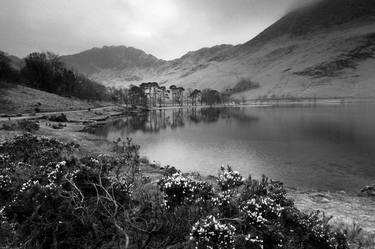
column 321, row 148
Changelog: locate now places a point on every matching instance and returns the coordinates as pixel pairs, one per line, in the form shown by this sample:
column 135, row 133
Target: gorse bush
column 52, row 199
column 260, row 211
column 229, row 179
column 211, row 233
column 56, row 203
column 248, row 214
column 180, row 190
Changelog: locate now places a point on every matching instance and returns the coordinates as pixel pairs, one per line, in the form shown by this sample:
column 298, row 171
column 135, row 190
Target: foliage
column 137, row 96
column 45, row 71
column 179, row 190
column 7, row 72
column 23, row 125
column 28, row 125
column 210, row 233
column 57, row 118
column 229, row 179
column 51, row 199
column 244, row 85
column 211, row 97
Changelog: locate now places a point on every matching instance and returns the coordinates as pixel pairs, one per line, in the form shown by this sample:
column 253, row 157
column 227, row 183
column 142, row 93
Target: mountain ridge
column 308, row 52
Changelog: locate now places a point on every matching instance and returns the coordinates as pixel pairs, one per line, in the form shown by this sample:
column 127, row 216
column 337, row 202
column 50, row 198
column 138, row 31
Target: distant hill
column 325, row 49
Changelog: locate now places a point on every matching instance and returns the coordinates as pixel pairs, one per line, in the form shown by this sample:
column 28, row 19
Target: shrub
column 35, row 150
column 229, row 179
column 311, row 231
column 23, row 125
column 58, row 118
column 261, row 210
column 51, row 199
column 28, row 125
column 211, row 233
column 266, row 188
column 244, row 85
column 226, row 203
column 179, row 190
column 65, row 204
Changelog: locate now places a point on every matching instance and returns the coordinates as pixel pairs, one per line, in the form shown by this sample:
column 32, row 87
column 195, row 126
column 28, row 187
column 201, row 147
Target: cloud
column 165, row 28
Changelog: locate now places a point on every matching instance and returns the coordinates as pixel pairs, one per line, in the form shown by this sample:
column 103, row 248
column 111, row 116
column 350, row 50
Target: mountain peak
column 317, row 15
column 110, row 57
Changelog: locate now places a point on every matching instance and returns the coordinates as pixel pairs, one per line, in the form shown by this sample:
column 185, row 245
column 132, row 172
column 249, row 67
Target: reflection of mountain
column 157, row 120
column 346, row 134
column 242, row 117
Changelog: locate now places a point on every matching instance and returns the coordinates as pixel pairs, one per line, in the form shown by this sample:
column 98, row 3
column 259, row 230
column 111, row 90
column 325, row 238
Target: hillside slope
column 325, row 49
column 21, row 99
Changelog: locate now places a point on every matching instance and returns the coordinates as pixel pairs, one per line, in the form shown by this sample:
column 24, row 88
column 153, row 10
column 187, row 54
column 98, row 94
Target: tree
column 211, row 97
column 173, row 90
column 194, row 95
column 43, row 70
column 154, row 87
column 180, row 95
column 6, row 70
column 162, row 95
column 137, row 96
column 46, row 72
column 146, row 87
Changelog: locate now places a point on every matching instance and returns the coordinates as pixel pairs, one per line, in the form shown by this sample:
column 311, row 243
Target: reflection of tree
column 195, row 116
column 157, row 120
column 177, row 118
column 210, row 115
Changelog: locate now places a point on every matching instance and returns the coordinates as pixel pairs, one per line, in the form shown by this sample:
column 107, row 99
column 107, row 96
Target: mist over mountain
column 322, row 49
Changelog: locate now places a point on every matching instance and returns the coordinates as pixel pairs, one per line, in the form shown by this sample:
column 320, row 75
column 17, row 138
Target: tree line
column 45, row 71
column 151, row 94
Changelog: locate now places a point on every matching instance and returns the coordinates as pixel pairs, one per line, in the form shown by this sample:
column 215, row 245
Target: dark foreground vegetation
column 51, row 198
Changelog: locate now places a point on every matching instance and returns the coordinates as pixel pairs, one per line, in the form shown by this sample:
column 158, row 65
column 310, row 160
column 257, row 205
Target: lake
column 313, row 148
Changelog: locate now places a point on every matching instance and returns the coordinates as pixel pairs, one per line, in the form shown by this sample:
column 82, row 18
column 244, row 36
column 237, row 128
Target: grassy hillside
column 21, row 99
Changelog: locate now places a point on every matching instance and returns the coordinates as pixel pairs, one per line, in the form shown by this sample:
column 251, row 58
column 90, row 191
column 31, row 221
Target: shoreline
column 279, row 103
column 344, row 207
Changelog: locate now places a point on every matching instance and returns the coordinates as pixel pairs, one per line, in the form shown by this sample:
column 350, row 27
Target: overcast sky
column 165, row 28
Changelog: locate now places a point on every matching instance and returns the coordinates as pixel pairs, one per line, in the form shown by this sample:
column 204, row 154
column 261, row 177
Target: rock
column 58, row 118
column 368, row 191
column 58, row 126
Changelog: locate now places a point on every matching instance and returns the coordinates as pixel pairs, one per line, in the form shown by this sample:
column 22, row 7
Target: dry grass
column 21, row 99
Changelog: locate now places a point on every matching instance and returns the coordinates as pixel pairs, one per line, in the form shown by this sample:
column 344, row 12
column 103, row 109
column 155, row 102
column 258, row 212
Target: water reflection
column 330, row 148
column 157, row 120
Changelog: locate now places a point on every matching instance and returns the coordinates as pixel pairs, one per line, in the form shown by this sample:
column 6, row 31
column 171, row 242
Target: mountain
column 324, row 49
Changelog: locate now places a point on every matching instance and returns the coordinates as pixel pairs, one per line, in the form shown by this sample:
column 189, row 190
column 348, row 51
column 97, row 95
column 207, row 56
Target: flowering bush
column 211, row 233
column 226, row 203
column 50, row 199
column 266, row 188
column 261, row 210
column 64, row 201
column 229, row 179
column 36, row 150
column 179, row 189
column 312, row 229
